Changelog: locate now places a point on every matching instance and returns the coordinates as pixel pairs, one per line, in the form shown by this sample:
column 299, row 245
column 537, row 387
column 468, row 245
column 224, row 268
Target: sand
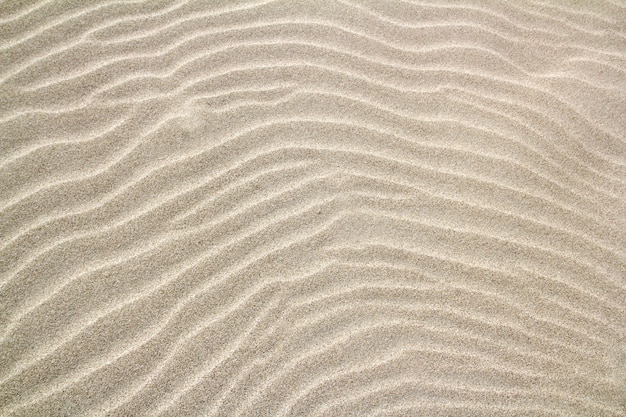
column 313, row 208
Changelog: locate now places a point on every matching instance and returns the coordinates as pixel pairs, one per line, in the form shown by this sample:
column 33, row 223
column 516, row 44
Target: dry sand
column 313, row 208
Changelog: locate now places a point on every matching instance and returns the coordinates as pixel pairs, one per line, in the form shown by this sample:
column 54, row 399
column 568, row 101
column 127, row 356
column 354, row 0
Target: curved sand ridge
column 312, row 208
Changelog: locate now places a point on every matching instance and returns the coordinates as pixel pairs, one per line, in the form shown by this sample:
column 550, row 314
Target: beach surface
column 313, row 208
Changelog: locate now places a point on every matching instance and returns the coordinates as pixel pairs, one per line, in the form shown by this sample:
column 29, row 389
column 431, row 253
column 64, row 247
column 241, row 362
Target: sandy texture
column 313, row 208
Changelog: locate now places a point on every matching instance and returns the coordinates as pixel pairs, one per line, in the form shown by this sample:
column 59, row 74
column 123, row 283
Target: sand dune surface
column 313, row 208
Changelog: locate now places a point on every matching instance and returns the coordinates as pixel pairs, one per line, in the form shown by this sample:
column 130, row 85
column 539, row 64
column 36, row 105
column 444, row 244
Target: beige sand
column 313, row 208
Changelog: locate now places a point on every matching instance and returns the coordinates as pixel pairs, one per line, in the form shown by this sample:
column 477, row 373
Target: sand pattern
column 313, row 208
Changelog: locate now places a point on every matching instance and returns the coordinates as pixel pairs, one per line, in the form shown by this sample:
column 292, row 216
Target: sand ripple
column 268, row 208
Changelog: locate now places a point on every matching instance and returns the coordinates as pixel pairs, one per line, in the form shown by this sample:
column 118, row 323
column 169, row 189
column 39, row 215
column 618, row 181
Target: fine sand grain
column 313, row 208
